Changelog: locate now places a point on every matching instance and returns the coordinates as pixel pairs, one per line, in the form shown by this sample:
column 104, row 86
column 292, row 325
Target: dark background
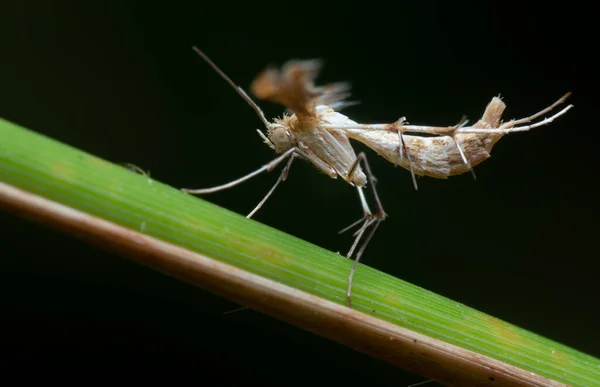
column 118, row 79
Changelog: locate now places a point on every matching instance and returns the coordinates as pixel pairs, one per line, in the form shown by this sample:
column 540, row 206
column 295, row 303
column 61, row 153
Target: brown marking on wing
column 418, row 144
column 393, row 127
column 293, row 87
column 476, row 146
column 288, row 87
column 438, row 142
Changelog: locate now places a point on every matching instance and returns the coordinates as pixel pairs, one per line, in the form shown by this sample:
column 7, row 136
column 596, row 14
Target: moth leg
column 371, row 222
column 380, row 213
column 282, row 177
column 265, row 168
column 464, row 157
column 235, row 310
column 540, row 113
column 504, row 130
column 460, row 124
column 421, row 383
column 367, row 214
column 369, row 219
column 402, row 149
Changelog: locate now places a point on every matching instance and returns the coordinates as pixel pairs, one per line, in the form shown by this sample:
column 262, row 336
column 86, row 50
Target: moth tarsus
column 265, row 168
column 282, row 177
column 316, row 132
column 134, row 168
column 369, row 220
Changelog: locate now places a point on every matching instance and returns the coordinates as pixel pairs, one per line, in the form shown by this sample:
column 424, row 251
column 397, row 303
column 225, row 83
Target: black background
column 118, row 79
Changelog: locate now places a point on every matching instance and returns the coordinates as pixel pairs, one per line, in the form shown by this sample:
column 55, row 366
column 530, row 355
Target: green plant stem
column 84, row 182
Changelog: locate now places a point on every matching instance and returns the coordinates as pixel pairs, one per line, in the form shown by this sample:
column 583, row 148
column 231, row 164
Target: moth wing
column 293, row 86
column 332, row 118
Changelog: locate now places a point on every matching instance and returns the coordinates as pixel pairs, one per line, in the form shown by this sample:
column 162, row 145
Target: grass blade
column 83, row 182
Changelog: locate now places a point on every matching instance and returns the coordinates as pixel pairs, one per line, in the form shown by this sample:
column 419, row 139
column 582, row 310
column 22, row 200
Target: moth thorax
column 280, row 138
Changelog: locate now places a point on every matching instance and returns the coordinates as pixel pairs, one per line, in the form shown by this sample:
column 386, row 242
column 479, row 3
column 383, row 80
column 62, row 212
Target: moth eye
column 281, row 139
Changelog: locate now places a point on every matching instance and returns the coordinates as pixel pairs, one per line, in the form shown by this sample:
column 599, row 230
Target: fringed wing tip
column 492, row 115
column 293, row 87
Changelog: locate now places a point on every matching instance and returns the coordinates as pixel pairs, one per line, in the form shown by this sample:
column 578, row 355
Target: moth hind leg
column 540, row 113
column 463, row 121
column 514, row 126
column 402, row 150
column 369, row 220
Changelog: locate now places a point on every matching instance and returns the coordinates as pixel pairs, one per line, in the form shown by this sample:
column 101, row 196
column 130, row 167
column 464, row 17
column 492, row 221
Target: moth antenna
column 238, row 89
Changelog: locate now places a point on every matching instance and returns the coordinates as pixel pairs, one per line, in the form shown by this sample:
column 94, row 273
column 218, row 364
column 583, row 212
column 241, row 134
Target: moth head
column 279, row 134
column 280, row 138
